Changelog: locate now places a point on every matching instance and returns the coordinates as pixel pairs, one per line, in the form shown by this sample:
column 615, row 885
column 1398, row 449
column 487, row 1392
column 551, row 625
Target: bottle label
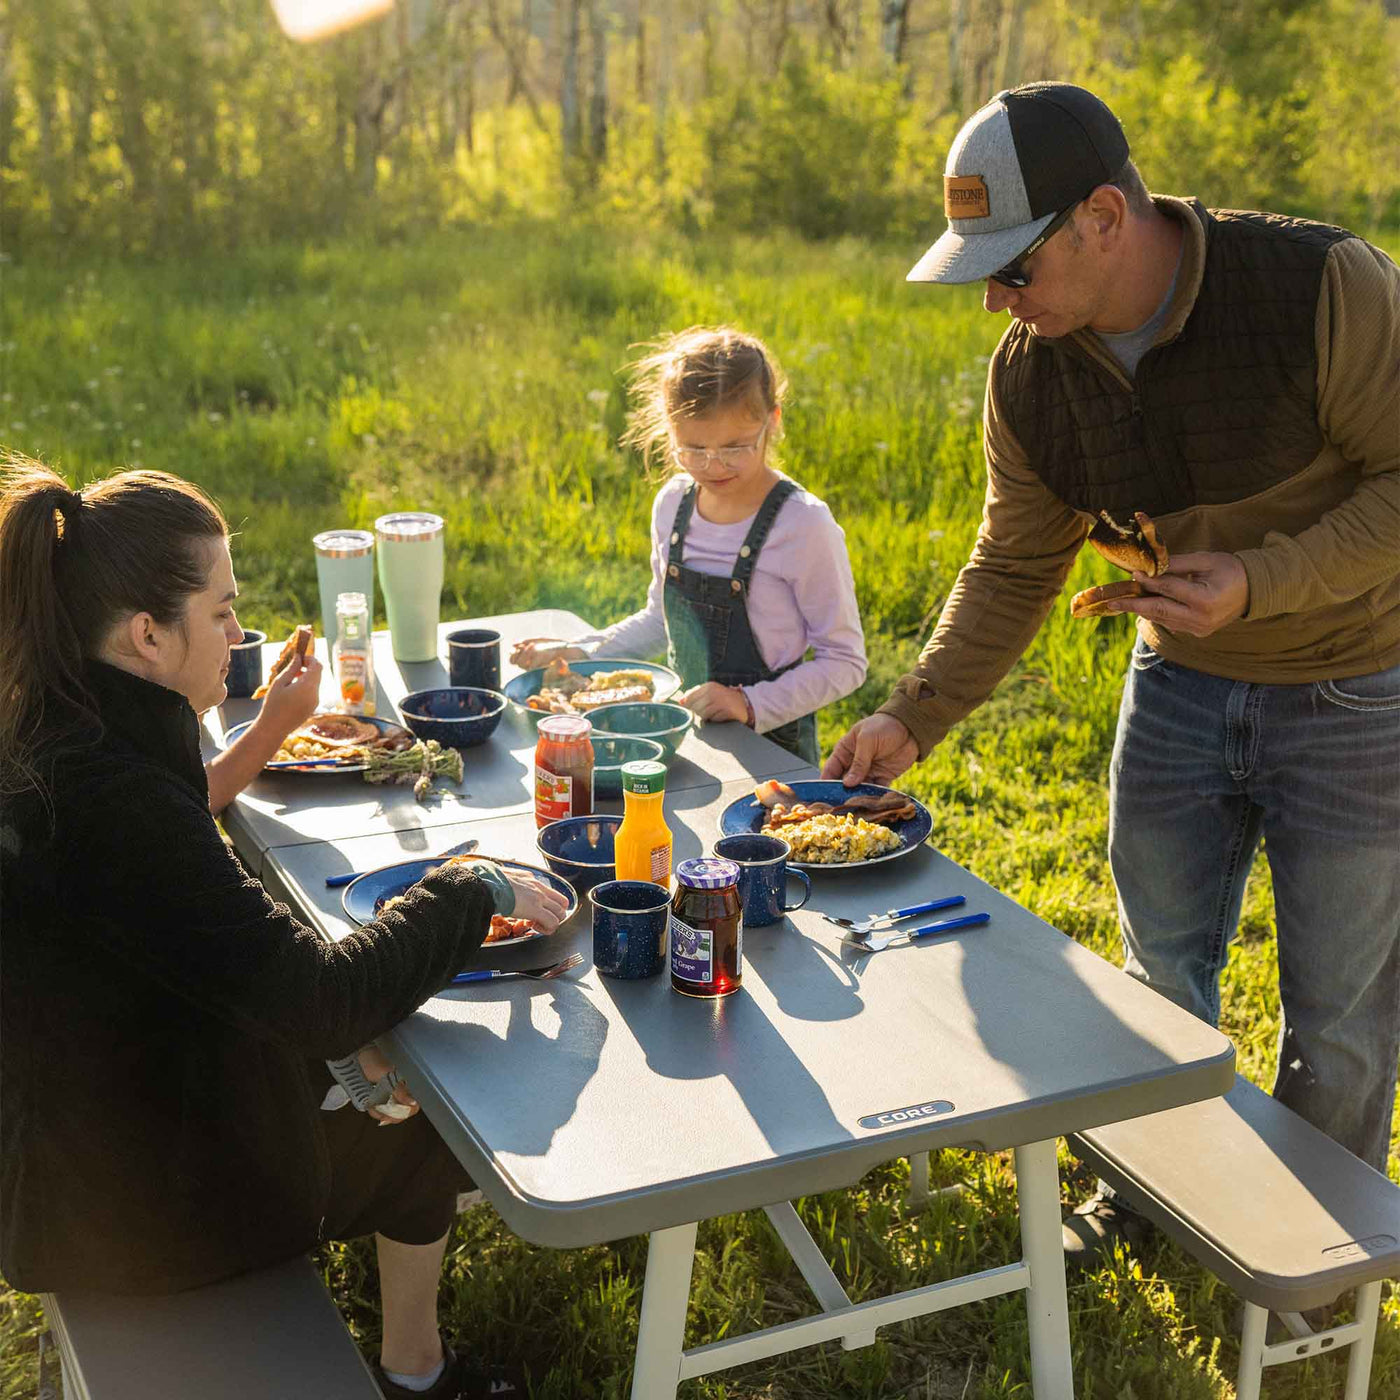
column 554, row 795
column 661, row 864
column 692, row 952
column 352, row 672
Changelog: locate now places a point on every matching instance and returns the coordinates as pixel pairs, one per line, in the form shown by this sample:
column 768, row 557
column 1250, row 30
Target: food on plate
column 342, row 737
column 504, row 927
column 830, row 839
column 565, row 692
column 1134, row 547
column 785, row 808
column 298, row 644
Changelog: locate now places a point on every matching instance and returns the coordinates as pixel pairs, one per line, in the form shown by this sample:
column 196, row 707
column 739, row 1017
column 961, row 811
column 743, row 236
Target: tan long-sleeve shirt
column 1321, row 548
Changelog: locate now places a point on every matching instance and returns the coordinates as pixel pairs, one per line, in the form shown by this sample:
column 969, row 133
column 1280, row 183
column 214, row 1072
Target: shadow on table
column 731, row 1038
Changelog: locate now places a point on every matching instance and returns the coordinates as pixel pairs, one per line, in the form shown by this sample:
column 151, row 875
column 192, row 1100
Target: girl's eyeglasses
column 698, row 458
column 1013, row 274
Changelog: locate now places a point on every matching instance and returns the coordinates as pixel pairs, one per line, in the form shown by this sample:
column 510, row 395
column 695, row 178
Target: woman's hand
column 292, row 698
column 375, row 1067
column 542, row 904
column 715, row 701
column 540, row 651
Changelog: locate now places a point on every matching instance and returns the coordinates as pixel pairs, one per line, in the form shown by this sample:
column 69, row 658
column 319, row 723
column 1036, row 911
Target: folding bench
column 1270, row 1205
column 270, row 1335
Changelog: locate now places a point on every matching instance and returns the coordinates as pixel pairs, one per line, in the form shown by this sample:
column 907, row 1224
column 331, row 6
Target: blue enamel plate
column 362, row 898
column 746, row 815
column 324, row 769
column 665, row 682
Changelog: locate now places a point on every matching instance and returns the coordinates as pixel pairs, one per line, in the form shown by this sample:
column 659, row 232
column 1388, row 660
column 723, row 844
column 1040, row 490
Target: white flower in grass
column 138, row 408
column 215, row 416
column 597, row 396
column 311, row 442
column 936, row 534
column 17, row 427
column 369, row 439
column 881, row 446
column 135, row 442
column 7, row 398
column 74, row 406
column 93, row 384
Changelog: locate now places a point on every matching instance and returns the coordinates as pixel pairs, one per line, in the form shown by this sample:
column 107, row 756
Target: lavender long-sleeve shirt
column 801, row 595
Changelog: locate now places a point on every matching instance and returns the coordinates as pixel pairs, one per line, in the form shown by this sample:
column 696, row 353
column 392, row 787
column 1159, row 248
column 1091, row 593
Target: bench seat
column 274, row 1334
column 1271, row 1206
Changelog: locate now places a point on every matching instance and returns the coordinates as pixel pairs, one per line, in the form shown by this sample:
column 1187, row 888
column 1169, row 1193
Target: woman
column 164, row 1025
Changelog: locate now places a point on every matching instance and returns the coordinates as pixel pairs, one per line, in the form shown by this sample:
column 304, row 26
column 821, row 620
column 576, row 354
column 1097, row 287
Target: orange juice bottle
column 642, row 846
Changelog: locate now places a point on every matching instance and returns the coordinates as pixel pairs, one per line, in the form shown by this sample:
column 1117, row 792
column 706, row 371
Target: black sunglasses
column 1013, row 275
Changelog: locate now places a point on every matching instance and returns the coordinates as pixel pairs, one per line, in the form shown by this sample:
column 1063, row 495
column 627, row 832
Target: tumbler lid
column 343, row 544
column 707, row 873
column 415, row 526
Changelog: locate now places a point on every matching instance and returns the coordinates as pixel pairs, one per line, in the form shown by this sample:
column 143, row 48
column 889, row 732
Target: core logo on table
column 895, row 1116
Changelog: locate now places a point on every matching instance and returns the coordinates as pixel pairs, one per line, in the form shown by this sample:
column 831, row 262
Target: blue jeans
column 1204, row 767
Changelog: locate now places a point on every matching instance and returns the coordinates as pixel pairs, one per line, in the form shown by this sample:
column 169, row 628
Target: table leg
column 1038, row 1187
column 665, row 1295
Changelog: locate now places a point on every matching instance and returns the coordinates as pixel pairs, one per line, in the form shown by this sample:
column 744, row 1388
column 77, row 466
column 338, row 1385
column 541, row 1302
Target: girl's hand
column 375, row 1067
column 540, row 651
column 542, row 904
column 715, row 701
column 292, row 698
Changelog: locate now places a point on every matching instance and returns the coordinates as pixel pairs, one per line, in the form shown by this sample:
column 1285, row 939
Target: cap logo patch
column 965, row 197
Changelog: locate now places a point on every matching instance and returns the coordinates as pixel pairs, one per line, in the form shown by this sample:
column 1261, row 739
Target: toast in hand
column 297, row 645
column 1133, row 547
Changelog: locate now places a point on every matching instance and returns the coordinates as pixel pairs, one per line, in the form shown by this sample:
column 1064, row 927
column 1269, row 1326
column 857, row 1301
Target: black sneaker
column 1091, row 1232
column 463, row 1378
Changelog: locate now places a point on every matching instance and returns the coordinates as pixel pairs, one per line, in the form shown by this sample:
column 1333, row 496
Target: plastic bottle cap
column 350, row 602
column 707, row 873
column 644, row 775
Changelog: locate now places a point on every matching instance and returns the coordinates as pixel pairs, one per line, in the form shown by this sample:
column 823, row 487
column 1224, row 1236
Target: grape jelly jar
column 707, row 936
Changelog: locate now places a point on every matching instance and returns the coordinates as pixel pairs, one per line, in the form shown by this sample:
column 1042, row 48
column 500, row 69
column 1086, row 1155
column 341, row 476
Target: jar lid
column 343, row 544
column 707, row 873
column 644, row 775
column 414, row 526
column 566, row 727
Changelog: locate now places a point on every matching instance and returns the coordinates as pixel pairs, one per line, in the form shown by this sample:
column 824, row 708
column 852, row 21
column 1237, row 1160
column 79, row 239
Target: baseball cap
column 1026, row 156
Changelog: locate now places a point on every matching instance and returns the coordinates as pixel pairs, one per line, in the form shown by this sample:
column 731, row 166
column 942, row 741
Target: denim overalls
column 707, row 621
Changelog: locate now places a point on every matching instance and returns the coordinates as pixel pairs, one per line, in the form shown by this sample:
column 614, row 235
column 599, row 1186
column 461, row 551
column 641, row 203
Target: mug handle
column 806, row 890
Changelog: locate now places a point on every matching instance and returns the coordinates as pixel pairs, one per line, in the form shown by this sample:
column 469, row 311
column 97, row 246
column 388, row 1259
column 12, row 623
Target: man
column 1234, row 376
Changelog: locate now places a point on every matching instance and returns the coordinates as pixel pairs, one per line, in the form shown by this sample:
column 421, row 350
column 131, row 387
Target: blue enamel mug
column 245, row 664
column 763, row 876
column 630, row 919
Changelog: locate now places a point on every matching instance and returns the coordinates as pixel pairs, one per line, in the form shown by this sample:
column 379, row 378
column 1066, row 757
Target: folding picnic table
column 589, row 1109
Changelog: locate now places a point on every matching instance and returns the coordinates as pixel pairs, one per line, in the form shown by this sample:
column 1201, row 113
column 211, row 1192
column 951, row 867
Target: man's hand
column 715, row 701
column 878, row 747
column 1198, row 594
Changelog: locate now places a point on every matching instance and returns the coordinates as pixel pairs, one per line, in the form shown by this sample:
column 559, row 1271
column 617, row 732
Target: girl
column 749, row 571
column 161, row 1019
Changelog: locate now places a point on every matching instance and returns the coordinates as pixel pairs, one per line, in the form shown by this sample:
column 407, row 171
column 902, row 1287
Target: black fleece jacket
column 160, row 1017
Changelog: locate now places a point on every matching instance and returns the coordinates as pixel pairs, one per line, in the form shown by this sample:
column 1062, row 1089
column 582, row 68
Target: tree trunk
column 598, row 94
column 1013, row 14
column 894, row 30
column 957, row 35
column 640, row 82
column 569, row 117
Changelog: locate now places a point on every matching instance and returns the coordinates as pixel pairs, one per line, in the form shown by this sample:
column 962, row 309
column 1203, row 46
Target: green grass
column 479, row 375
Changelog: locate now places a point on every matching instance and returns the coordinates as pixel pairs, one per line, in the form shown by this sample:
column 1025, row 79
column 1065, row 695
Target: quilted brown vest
column 1225, row 410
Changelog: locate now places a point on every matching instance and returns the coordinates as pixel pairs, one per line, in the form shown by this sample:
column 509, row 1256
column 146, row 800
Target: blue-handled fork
column 866, row 944
column 878, row 922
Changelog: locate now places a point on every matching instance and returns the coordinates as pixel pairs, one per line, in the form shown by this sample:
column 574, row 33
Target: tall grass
column 481, row 375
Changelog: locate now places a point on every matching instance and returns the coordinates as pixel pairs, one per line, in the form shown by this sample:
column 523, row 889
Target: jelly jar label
column 553, row 795
column 692, row 952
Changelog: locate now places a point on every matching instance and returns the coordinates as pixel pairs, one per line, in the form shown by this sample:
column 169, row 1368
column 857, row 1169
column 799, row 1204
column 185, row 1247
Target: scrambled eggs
column 833, row 840
column 299, row 746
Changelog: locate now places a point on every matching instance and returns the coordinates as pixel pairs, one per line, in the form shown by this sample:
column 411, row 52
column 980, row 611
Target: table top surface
column 589, row 1108
column 280, row 809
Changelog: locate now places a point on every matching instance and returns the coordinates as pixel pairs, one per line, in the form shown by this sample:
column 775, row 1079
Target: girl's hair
column 72, row 565
column 696, row 372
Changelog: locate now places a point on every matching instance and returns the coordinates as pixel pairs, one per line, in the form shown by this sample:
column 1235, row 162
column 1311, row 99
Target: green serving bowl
column 644, row 719
column 611, row 751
